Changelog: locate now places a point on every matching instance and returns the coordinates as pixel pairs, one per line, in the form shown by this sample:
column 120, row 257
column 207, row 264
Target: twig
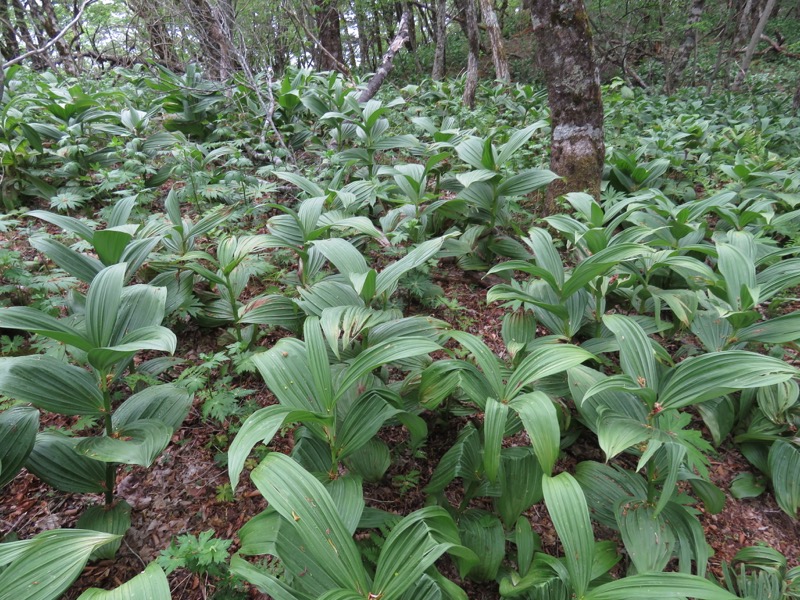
column 342, row 67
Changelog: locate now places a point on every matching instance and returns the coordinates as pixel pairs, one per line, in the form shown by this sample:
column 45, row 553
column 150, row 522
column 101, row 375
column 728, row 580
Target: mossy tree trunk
column 474, row 43
column 565, row 54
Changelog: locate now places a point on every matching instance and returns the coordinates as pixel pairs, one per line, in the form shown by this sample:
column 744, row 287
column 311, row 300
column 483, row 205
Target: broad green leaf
column 55, row 461
column 659, row 586
column 51, row 385
column 413, row 546
column 68, row 224
column 307, row 507
column 779, row 330
column 371, row 461
column 648, row 538
column 361, row 423
column 137, row 443
column 675, row 453
column 569, row 512
column 746, row 485
column 284, row 368
column 167, row 403
column 525, row 182
column 49, row 564
column 482, row 532
column 114, row 519
column 102, row 304
column 484, row 358
column 343, row 255
column 18, row 428
column 636, row 355
column 543, row 362
column 381, row 354
column 690, row 382
column 264, row 581
column 616, row 433
column 109, row 245
column 261, row 426
column 34, row 321
column 520, row 484
column 784, row 466
column 518, row 139
column 151, row 337
column 320, row 370
column 540, row 419
column 388, row 279
column 494, row 427
column 599, row 264
column 150, row 584
column 76, row 264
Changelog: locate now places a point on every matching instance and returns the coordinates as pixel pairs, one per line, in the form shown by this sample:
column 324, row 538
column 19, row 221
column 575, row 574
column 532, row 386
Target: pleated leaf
column 31, row 320
column 18, row 428
column 702, row 378
column 102, row 304
column 150, row 584
column 49, row 564
column 308, row 508
column 648, row 538
column 51, row 385
column 55, row 461
column 784, row 466
column 569, row 512
column 543, row 362
column 114, row 519
column 167, row 403
column 494, row 427
column 137, row 443
column 636, row 355
column 660, row 586
column 540, row 419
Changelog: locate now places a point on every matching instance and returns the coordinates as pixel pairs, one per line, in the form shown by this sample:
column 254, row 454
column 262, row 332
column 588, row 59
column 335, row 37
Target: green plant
column 312, row 528
column 116, row 323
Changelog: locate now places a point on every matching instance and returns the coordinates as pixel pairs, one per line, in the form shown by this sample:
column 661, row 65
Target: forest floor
column 179, row 493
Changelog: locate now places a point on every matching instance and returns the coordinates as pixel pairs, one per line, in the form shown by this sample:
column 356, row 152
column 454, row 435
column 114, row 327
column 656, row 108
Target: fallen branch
column 776, row 47
column 386, row 66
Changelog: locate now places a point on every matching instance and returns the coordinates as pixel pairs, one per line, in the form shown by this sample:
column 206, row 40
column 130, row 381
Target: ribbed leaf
column 151, row 584
column 648, row 538
column 55, row 461
column 371, row 461
column 167, row 403
column 362, row 422
column 76, row 264
column 51, row 385
column 784, row 466
column 543, row 362
column 68, row 224
column 525, row 182
column 520, row 483
column 616, row 433
column 516, row 140
column 660, row 586
column 569, row 512
column 35, row 321
column 152, row 337
column 318, row 366
column 114, row 519
column 102, row 304
column 137, row 443
column 388, row 278
column 412, row 547
column 539, row 416
column 494, row 427
column 636, row 355
column 49, row 564
column 343, row 255
column 284, row 368
column 261, row 426
column 690, row 382
column 265, row 582
column 109, row 245
column 18, row 427
column 779, row 330
column 484, row 358
column 482, row 533
column 306, row 506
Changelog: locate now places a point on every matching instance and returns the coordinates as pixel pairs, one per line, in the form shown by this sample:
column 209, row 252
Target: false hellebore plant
column 109, row 326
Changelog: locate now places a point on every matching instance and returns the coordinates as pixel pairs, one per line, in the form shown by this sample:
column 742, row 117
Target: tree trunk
column 496, row 39
column 473, row 40
column 397, row 43
column 363, row 35
column 796, row 100
column 330, row 35
column 686, row 48
column 439, row 57
column 751, row 47
column 9, row 47
column 565, row 55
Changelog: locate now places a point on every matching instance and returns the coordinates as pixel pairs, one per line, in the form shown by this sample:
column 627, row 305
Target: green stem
column 234, row 308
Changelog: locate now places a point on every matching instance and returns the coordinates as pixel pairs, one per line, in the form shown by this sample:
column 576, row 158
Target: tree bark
column 440, row 57
column 496, row 39
column 751, row 47
column 796, row 100
column 9, row 47
column 686, row 48
column 474, row 43
column 330, row 35
column 565, row 55
column 397, row 43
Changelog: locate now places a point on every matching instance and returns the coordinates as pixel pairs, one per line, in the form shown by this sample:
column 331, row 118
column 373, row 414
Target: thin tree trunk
column 330, row 36
column 686, row 48
column 363, row 35
column 10, row 46
column 397, row 43
column 566, row 56
column 751, row 47
column 496, row 39
column 796, row 100
column 473, row 40
column 440, row 57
